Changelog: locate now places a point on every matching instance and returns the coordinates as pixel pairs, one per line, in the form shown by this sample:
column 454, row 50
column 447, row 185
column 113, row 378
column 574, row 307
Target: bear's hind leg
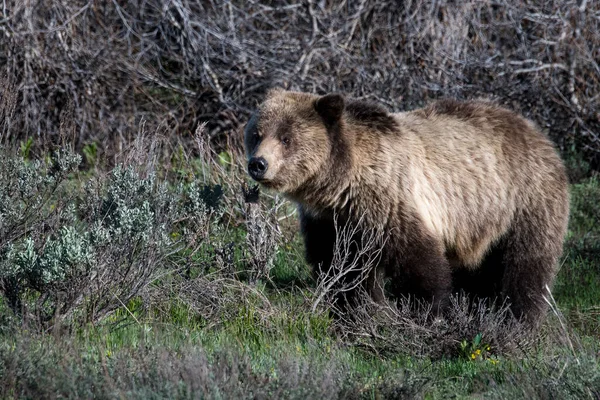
column 533, row 248
column 419, row 268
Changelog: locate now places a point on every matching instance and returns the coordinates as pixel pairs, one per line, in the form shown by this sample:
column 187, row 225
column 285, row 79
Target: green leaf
column 225, row 158
column 477, row 340
column 26, row 148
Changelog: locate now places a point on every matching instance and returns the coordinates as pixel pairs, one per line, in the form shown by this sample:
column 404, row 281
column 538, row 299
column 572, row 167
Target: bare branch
column 356, row 254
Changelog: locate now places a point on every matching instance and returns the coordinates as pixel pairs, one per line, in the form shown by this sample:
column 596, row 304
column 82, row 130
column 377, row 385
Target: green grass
column 577, row 289
column 137, row 360
column 277, row 348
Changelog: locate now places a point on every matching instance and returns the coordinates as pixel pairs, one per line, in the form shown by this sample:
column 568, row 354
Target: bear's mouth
column 268, row 183
column 262, row 180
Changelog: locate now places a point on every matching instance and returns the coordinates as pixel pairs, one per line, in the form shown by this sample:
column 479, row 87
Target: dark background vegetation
column 132, row 263
column 177, row 63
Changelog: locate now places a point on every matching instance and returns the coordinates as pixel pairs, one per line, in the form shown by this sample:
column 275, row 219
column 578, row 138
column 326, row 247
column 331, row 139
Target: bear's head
column 292, row 137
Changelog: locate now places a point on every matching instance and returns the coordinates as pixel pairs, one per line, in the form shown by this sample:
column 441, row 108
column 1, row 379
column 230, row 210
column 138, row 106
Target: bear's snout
column 257, row 167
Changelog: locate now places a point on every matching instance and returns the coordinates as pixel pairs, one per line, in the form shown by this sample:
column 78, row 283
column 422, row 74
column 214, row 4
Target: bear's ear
column 330, row 107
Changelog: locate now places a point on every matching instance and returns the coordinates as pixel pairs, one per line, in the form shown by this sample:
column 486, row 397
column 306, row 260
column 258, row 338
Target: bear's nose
column 257, row 166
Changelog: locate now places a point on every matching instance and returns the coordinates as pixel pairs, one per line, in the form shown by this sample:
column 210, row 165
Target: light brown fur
column 450, row 183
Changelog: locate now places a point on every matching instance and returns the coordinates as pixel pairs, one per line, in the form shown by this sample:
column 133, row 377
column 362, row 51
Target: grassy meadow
column 147, row 281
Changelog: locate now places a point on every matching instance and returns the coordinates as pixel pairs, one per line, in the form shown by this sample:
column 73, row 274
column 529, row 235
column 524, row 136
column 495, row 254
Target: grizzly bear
column 470, row 195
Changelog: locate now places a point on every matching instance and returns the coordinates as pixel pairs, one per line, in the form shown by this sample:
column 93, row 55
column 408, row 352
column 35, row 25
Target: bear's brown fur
column 471, row 195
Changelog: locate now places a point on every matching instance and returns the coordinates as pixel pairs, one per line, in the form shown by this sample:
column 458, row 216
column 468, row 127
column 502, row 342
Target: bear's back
column 469, row 167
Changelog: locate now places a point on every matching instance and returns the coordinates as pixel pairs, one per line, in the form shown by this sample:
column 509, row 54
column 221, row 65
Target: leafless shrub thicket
column 96, row 71
column 176, row 63
column 412, row 327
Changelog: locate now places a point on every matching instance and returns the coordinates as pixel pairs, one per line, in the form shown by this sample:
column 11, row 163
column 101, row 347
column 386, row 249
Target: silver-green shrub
column 33, row 253
column 75, row 248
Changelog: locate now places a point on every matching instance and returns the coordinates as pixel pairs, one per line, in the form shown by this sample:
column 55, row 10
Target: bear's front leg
column 320, row 242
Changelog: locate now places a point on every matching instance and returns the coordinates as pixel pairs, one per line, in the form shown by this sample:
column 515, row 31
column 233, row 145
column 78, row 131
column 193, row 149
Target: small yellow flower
column 488, row 348
column 473, row 356
column 478, row 351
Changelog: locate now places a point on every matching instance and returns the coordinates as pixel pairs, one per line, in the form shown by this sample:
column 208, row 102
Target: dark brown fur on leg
column 419, row 268
column 320, row 244
column 319, row 235
column 530, row 260
column 319, row 241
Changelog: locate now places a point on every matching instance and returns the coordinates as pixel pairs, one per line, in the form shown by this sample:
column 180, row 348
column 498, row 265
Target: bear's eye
column 255, row 137
column 286, row 141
